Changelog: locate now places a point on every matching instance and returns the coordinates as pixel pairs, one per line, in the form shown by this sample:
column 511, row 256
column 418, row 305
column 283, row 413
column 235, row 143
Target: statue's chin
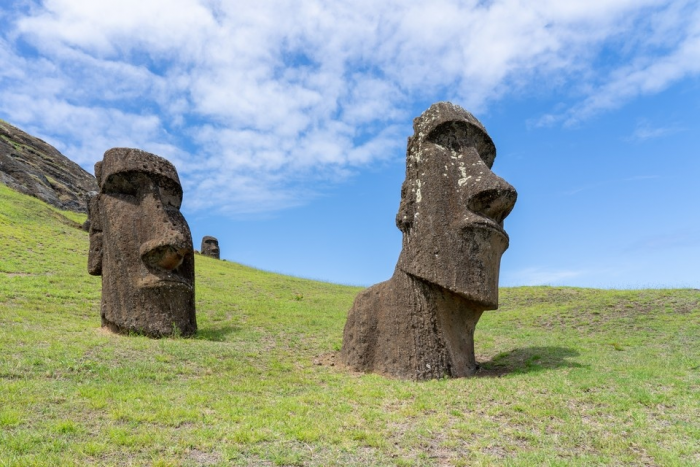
column 467, row 266
column 485, row 300
column 476, row 295
column 170, row 281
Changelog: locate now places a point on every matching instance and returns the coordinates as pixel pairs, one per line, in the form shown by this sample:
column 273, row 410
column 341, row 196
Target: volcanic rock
column 34, row 167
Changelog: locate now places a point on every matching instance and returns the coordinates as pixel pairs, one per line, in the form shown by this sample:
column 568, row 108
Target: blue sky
column 287, row 121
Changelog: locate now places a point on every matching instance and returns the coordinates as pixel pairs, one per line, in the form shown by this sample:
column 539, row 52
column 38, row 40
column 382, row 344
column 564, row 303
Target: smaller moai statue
column 420, row 323
column 141, row 245
column 210, row 247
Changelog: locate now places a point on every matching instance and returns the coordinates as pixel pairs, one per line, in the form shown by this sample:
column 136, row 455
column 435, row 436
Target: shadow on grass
column 216, row 334
column 528, row 360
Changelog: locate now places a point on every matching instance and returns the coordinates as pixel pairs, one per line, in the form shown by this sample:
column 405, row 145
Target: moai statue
column 88, row 196
column 210, row 247
column 141, row 246
column 420, row 323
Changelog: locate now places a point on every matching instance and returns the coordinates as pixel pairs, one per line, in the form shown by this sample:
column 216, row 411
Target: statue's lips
column 171, row 281
column 484, row 223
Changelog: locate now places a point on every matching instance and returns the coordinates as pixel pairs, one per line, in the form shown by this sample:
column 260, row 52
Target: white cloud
column 606, row 183
column 541, row 276
column 664, row 49
column 645, row 130
column 255, row 101
column 113, row 28
column 685, row 239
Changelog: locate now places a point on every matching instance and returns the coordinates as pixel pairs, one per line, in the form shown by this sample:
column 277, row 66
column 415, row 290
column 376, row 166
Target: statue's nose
column 163, row 254
column 168, row 245
column 495, row 201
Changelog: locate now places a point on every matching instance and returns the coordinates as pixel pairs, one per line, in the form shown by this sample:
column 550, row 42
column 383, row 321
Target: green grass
column 570, row 376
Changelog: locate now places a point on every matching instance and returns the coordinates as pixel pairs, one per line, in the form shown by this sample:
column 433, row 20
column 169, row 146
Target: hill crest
column 34, row 167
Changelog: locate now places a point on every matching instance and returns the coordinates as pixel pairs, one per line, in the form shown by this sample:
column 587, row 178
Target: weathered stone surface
column 34, row 167
column 141, row 245
column 88, row 197
column 420, row 323
column 210, row 246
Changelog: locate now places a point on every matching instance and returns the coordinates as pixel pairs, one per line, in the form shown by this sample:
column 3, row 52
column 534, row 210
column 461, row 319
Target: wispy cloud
column 257, row 101
column 592, row 186
column 645, row 130
column 664, row 49
column 542, row 276
column 680, row 239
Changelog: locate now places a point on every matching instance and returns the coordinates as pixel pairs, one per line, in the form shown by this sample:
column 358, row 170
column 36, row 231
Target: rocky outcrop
column 34, row 167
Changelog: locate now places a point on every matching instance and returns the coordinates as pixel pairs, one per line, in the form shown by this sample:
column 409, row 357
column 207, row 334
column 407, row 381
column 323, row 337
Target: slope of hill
column 32, row 166
column 570, row 376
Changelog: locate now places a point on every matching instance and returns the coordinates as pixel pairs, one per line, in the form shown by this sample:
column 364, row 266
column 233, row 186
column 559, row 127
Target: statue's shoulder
column 374, row 293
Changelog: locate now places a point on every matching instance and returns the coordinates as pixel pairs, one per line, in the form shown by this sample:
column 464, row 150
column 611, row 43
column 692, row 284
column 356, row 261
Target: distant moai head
column 141, row 245
column 210, row 247
column 453, row 206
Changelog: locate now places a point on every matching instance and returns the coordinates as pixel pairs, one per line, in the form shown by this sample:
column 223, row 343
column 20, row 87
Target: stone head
column 210, row 247
column 141, row 245
column 453, row 206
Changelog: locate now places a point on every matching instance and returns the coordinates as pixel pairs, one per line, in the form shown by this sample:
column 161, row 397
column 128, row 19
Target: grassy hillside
column 570, row 376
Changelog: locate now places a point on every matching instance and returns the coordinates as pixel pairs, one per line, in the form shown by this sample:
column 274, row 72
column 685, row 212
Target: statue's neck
column 427, row 292
column 448, row 317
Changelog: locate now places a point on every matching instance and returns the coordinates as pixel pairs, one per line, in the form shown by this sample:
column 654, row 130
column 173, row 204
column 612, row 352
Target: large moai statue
column 141, row 245
column 210, row 247
column 420, row 323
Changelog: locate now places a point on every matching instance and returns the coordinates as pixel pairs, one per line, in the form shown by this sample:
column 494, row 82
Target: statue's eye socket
column 129, row 184
column 458, row 136
column 121, row 184
column 170, row 193
column 451, row 135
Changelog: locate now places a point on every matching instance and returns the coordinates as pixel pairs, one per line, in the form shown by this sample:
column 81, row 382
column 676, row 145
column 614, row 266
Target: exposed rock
column 210, row 247
column 34, row 167
column 420, row 323
column 141, row 245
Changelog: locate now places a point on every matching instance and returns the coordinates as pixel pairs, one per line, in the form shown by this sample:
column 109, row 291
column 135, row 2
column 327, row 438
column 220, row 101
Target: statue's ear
column 407, row 208
column 95, row 253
